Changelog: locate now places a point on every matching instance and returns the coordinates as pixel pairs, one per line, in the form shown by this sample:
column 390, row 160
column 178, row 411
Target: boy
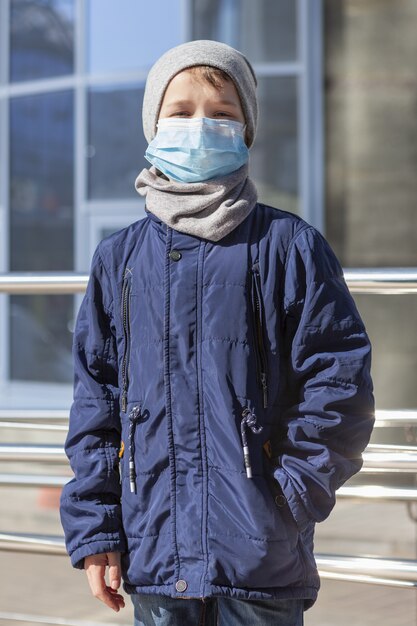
column 222, row 375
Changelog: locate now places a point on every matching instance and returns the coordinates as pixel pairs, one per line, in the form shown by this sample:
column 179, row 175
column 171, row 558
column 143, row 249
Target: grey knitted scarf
column 209, row 209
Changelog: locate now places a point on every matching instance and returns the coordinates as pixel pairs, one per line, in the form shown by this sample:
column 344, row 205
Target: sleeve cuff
column 95, row 547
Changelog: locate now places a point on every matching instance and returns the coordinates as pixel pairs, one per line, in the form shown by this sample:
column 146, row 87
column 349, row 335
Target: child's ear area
column 246, row 138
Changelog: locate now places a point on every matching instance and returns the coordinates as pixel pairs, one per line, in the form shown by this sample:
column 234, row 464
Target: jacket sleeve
column 90, row 502
column 328, row 413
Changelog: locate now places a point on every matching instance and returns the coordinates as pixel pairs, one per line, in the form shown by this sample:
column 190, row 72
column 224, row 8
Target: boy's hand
column 95, row 567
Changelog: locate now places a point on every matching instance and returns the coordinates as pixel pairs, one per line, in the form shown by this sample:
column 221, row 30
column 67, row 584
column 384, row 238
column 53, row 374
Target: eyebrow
column 179, row 103
column 227, row 102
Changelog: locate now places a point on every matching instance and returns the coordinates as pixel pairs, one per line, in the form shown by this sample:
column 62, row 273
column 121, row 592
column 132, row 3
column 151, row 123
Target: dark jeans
column 156, row 610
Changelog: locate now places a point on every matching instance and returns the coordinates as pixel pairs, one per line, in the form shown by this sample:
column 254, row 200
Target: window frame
column 92, row 215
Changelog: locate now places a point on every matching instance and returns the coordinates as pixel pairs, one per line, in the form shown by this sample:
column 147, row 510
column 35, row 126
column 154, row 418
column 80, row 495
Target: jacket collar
column 156, row 222
column 152, row 216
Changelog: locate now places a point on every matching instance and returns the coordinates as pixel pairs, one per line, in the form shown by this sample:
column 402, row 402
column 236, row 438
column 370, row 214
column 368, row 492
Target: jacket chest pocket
column 126, row 315
column 257, row 308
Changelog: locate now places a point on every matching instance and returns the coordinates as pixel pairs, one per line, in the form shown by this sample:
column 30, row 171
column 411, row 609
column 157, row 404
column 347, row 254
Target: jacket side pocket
column 280, row 501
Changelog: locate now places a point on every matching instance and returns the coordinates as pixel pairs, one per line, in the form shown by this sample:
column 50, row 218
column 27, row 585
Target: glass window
column 390, row 320
column 371, row 133
column 41, row 182
column 131, row 36
column 274, row 155
column 41, row 232
column 116, row 144
column 40, row 338
column 41, row 39
column 263, row 30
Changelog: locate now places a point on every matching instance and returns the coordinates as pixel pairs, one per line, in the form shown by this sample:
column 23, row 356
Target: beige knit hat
column 202, row 52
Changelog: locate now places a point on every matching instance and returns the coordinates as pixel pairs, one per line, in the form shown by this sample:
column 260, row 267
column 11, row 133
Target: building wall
column 371, row 131
column 370, row 86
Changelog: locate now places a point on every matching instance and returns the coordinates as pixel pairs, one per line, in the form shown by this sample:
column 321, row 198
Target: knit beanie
column 202, row 52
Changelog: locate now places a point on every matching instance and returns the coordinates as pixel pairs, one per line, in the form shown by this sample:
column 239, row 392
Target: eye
column 224, row 114
column 179, row 114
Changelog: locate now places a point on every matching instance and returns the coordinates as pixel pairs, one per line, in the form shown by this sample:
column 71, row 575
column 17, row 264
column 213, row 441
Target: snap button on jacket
column 219, row 403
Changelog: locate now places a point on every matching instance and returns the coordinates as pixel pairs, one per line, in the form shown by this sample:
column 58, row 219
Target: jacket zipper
column 126, row 289
column 261, row 359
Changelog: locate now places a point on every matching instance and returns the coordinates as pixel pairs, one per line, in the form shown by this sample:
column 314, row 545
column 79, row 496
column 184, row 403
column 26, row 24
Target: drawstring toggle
column 134, row 417
column 248, row 419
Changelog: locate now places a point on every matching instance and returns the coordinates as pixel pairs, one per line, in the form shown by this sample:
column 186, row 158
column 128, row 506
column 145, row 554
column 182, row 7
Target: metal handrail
column 27, row 426
column 372, row 570
column 387, row 280
column 375, row 570
column 394, row 460
column 395, row 417
column 379, row 493
column 34, row 415
column 383, row 417
column 34, row 544
column 390, row 448
column 45, row 453
column 43, row 282
column 8, row 618
column 375, row 458
column 32, row 480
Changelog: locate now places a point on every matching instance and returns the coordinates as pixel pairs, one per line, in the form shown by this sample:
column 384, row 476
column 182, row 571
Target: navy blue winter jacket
column 222, row 394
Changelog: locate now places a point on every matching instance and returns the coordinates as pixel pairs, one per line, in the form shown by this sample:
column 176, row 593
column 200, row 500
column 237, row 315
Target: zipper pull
column 132, row 476
column 248, row 420
column 124, row 401
column 134, row 416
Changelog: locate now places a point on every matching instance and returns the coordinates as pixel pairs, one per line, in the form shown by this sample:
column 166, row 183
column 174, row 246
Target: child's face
column 187, row 96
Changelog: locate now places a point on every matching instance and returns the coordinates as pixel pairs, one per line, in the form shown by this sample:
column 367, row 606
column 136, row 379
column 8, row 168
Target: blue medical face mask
column 190, row 150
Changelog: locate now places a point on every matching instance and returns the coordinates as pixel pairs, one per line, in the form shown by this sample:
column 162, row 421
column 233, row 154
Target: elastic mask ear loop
column 243, row 131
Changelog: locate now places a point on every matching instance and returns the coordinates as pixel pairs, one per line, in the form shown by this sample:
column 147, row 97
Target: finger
column 108, row 596
column 114, row 570
column 95, row 569
column 111, row 598
column 95, row 576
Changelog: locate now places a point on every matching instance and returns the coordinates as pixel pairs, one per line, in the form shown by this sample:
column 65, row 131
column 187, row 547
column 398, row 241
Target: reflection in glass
column 41, row 39
column 265, row 31
column 41, row 182
column 40, row 338
column 116, row 144
column 371, row 134
column 390, row 322
column 274, row 155
column 131, row 36
column 41, row 231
